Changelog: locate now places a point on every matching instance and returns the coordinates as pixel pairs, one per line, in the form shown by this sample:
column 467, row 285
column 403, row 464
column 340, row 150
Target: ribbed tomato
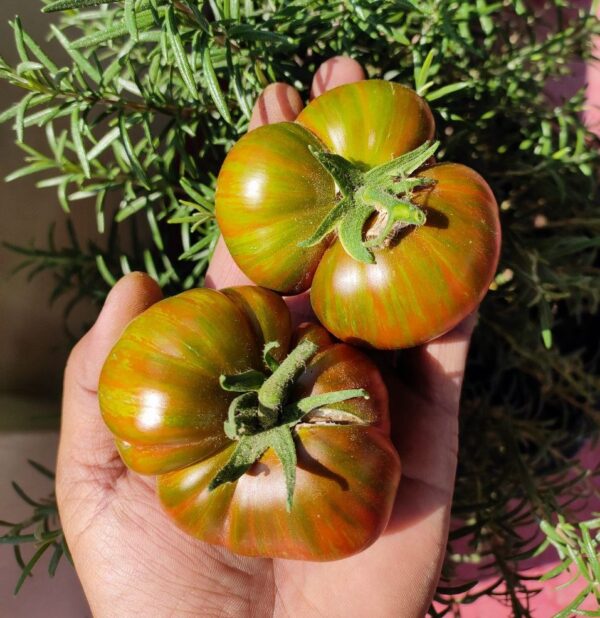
column 266, row 441
column 398, row 250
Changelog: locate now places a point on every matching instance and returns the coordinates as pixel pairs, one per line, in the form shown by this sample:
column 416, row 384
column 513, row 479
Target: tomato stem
column 385, row 190
column 274, row 390
column 262, row 417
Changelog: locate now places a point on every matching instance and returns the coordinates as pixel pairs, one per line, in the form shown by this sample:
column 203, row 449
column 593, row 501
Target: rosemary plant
column 41, row 529
column 150, row 95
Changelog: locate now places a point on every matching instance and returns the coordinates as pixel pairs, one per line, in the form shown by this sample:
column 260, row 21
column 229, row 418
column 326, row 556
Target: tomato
column 425, row 282
column 346, row 199
column 266, row 441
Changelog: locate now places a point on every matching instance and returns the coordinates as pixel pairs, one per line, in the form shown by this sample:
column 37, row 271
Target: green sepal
column 294, row 413
column 404, row 164
column 329, row 223
column 308, row 404
column 260, row 419
column 285, row 449
column 406, row 185
column 250, row 380
column 398, row 211
column 247, row 450
column 250, row 449
column 347, row 177
column 350, row 232
column 385, row 189
column 268, row 359
column 242, row 416
column 377, row 198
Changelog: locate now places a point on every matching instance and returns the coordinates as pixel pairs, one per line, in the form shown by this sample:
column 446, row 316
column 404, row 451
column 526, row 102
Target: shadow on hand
column 424, row 429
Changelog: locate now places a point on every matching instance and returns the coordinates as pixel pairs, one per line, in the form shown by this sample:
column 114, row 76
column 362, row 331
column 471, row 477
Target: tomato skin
column 369, row 122
column 160, row 396
column 269, row 187
column 426, row 282
column 270, row 321
column 345, row 486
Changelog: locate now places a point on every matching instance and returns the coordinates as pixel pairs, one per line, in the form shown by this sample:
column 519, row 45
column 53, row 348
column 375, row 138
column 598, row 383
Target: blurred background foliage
column 146, row 98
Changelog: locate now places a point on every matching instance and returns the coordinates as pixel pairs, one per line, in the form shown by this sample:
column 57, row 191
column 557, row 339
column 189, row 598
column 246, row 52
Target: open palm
column 132, row 560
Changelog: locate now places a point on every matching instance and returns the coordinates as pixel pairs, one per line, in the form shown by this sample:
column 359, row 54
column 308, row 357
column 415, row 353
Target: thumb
column 86, row 448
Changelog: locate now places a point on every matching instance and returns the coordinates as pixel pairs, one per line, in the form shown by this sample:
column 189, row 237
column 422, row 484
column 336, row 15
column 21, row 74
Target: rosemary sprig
column 41, row 530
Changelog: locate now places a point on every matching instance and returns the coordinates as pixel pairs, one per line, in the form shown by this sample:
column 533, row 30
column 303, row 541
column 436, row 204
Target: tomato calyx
column 262, row 416
column 386, row 190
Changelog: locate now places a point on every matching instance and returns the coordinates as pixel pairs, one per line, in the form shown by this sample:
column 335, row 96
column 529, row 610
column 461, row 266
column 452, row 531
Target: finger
column 441, row 364
column 335, row 72
column 86, row 445
column 300, row 308
column 277, row 103
column 222, row 271
column 424, row 404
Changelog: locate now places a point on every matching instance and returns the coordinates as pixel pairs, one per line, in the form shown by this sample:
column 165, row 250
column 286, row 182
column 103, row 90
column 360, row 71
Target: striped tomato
column 347, row 200
column 266, row 441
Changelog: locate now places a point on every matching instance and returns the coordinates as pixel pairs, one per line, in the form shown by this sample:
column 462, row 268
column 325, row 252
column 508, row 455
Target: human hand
column 132, row 559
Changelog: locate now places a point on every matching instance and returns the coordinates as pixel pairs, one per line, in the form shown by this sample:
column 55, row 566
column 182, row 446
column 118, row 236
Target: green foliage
column 578, row 551
column 153, row 93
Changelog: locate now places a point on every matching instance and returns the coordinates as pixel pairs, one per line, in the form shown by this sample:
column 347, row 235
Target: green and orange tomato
column 208, row 389
column 347, row 200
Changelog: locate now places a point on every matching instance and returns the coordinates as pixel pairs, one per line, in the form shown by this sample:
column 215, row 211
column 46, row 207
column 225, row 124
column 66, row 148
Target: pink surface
column 40, row 596
column 593, row 92
column 552, row 598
